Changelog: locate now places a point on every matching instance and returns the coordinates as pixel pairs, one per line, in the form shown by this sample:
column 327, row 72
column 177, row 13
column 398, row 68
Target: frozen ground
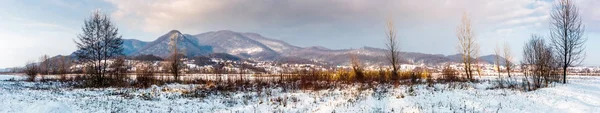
column 581, row 95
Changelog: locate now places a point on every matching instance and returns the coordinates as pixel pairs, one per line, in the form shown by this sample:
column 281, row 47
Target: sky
column 32, row 28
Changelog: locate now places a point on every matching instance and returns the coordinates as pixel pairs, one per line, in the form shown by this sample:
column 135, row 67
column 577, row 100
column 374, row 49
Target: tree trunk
column 564, row 74
column 508, row 71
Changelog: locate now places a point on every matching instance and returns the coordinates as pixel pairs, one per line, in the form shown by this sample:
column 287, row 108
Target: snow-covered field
column 581, row 95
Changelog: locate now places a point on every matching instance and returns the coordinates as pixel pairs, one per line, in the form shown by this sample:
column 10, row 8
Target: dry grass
column 299, row 80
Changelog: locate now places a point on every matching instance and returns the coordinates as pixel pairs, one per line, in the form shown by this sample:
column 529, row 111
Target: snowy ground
column 581, row 95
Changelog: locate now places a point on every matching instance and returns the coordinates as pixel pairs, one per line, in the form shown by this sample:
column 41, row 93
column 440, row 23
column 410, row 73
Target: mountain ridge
column 160, row 47
column 257, row 47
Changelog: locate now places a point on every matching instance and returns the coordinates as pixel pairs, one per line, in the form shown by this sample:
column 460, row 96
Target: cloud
column 590, row 14
column 203, row 15
column 356, row 23
column 159, row 16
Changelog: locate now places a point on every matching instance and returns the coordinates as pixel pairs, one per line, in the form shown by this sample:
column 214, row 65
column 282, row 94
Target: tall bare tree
column 508, row 64
column 175, row 64
column 497, row 59
column 467, row 46
column 393, row 49
column 98, row 43
column 567, row 35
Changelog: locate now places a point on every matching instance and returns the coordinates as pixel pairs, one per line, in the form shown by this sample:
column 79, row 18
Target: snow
column 581, row 95
column 49, row 107
column 246, row 50
column 9, row 77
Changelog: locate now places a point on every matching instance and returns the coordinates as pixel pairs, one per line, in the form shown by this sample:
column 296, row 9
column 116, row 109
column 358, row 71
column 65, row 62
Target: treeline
column 543, row 61
column 59, row 65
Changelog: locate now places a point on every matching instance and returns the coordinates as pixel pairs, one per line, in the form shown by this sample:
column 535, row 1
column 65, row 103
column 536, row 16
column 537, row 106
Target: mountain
column 276, row 45
column 186, row 43
column 245, row 45
column 377, row 56
column 132, row 45
column 367, row 55
column 225, row 43
column 491, row 59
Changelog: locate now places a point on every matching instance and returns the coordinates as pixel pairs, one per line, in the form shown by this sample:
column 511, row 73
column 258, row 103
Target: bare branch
column 566, row 35
column 467, row 46
column 393, row 54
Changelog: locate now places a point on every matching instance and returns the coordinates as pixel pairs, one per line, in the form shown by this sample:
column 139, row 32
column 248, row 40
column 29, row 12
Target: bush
column 449, row 74
column 145, row 77
column 90, row 79
column 31, row 70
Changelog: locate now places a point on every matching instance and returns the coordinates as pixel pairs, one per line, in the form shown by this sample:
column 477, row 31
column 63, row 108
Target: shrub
column 145, row 77
column 31, row 70
column 449, row 74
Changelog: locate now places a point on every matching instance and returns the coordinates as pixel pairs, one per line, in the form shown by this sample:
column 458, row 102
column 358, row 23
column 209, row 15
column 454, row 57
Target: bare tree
column 61, row 67
column 118, row 68
column 98, row 43
column 467, row 46
column 508, row 64
column 356, row 67
column 497, row 60
column 393, row 54
column 45, row 65
column 31, row 70
column 16, row 70
column 145, row 71
column 175, row 65
column 475, row 57
column 63, row 64
column 567, row 35
column 449, row 74
column 242, row 69
column 538, row 57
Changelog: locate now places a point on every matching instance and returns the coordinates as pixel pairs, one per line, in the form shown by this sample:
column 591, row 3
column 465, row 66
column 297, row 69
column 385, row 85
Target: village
column 225, row 66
